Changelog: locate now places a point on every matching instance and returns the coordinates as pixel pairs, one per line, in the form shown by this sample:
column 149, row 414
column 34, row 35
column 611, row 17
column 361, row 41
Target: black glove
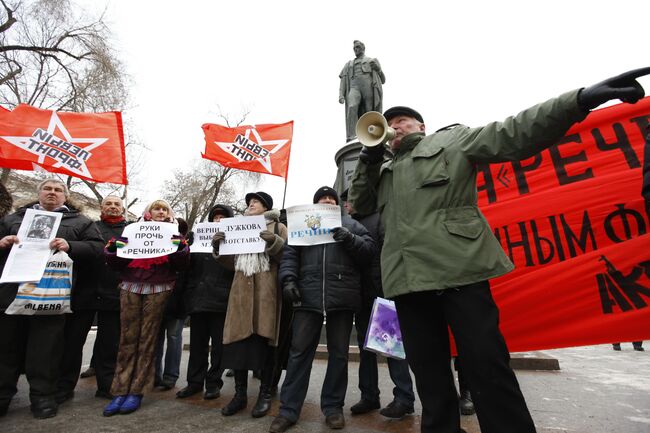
column 623, row 87
column 115, row 243
column 190, row 238
column 342, row 234
column 290, row 291
column 216, row 239
column 372, row 155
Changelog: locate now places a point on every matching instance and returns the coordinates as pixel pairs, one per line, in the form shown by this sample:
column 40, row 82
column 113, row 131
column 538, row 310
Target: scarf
column 253, row 263
column 111, row 219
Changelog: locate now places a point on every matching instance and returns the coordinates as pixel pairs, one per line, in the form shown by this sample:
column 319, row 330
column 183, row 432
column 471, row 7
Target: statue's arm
column 380, row 72
column 343, row 87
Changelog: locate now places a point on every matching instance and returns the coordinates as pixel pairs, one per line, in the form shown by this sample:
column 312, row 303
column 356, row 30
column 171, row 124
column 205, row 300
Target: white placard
column 312, row 224
column 242, row 235
column 203, row 233
column 147, row 239
column 27, row 259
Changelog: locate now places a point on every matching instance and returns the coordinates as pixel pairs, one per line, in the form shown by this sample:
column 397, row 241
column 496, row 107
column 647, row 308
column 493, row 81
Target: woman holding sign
column 251, row 328
column 146, row 285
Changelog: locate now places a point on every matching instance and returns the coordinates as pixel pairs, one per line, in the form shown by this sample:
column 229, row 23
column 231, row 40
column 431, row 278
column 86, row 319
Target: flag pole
column 284, row 196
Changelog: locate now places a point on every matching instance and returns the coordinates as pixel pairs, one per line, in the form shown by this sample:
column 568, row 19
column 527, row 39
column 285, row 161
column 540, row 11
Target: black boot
column 466, row 404
column 263, row 403
column 240, row 400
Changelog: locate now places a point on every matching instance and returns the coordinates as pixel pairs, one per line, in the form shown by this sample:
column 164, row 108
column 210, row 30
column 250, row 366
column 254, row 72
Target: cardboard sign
column 147, row 239
column 242, row 235
column 312, row 224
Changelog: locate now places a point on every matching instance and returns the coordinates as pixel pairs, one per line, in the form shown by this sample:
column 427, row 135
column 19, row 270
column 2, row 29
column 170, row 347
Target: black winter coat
column 107, row 293
column 371, row 275
column 85, row 242
column 329, row 275
column 207, row 285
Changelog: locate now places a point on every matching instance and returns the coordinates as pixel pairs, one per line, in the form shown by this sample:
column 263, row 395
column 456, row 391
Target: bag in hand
column 51, row 295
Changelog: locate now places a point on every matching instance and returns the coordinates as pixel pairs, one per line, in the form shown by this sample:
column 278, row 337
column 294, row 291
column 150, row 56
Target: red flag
column 85, row 145
column 260, row 148
column 574, row 222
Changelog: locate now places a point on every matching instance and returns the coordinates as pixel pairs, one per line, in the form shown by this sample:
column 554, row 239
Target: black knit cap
column 326, row 190
column 402, row 111
column 222, row 209
column 263, row 197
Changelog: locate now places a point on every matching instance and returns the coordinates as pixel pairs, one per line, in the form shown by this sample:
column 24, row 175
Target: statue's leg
column 367, row 96
column 353, row 100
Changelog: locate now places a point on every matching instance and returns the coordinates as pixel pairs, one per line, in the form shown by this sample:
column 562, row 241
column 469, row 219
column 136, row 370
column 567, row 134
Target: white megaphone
column 373, row 130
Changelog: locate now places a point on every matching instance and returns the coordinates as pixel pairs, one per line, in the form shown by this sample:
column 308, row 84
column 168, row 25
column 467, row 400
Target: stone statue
column 360, row 90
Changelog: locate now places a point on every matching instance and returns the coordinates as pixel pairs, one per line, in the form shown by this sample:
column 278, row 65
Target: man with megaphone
column 439, row 252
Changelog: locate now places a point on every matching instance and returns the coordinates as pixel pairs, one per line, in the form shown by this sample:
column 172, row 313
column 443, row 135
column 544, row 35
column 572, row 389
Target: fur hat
column 267, row 200
column 326, row 190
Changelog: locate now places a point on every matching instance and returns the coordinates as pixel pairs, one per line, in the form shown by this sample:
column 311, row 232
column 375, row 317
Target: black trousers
column 33, row 345
column 473, row 318
column 77, row 326
column 206, row 335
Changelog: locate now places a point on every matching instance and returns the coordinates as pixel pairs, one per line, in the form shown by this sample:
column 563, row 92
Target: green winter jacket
column 436, row 237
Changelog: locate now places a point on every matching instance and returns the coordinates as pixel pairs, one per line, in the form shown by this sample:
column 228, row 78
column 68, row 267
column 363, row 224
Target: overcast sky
column 466, row 62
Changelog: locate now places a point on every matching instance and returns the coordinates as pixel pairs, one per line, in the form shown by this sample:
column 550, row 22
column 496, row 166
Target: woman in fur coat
column 252, row 320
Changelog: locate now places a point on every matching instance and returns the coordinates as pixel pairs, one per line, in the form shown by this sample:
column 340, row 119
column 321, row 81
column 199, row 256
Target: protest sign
column 27, row 259
column 147, row 239
column 242, row 235
column 203, row 233
column 312, row 224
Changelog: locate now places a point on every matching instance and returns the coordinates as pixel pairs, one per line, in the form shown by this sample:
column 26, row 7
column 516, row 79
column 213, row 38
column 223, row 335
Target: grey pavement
column 596, row 390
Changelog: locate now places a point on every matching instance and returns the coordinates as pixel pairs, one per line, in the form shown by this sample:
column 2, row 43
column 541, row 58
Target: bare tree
column 52, row 57
column 193, row 191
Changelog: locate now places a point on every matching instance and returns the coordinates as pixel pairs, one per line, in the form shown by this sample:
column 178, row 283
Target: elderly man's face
column 51, row 195
column 403, row 125
column 358, row 49
column 112, row 206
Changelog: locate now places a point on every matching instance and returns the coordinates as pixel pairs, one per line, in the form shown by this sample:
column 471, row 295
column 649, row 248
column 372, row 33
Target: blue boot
column 114, row 406
column 131, row 404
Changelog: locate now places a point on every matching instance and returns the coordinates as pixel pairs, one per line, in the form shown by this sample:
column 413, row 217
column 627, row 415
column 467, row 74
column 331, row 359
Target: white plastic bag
column 51, row 295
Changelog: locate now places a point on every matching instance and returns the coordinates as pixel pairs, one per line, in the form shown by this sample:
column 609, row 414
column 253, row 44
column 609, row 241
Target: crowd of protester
column 259, row 312
column 437, row 257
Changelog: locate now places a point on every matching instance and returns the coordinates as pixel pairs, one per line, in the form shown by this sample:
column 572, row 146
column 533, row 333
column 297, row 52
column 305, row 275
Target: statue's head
column 359, row 48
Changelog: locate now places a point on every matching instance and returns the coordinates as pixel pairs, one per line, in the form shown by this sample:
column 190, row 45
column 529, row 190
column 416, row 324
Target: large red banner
column 261, row 148
column 574, row 222
column 85, row 145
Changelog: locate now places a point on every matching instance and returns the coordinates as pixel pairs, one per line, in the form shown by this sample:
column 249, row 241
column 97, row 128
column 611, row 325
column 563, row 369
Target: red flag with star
column 85, row 145
column 260, row 148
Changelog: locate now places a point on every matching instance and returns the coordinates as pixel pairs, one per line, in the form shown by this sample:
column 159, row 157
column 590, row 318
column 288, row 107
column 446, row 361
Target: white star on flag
column 271, row 145
column 55, row 123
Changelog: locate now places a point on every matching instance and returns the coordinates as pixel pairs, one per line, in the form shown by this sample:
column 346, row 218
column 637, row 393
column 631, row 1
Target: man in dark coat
column 37, row 342
column 324, row 282
column 99, row 295
column 207, row 286
column 398, row 369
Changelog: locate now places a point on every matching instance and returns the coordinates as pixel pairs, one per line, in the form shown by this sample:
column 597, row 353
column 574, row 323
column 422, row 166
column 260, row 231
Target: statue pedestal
column 346, row 161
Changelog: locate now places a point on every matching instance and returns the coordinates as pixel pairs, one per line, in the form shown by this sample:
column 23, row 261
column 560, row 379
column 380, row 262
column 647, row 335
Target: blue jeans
column 398, row 369
column 306, row 334
column 174, row 330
